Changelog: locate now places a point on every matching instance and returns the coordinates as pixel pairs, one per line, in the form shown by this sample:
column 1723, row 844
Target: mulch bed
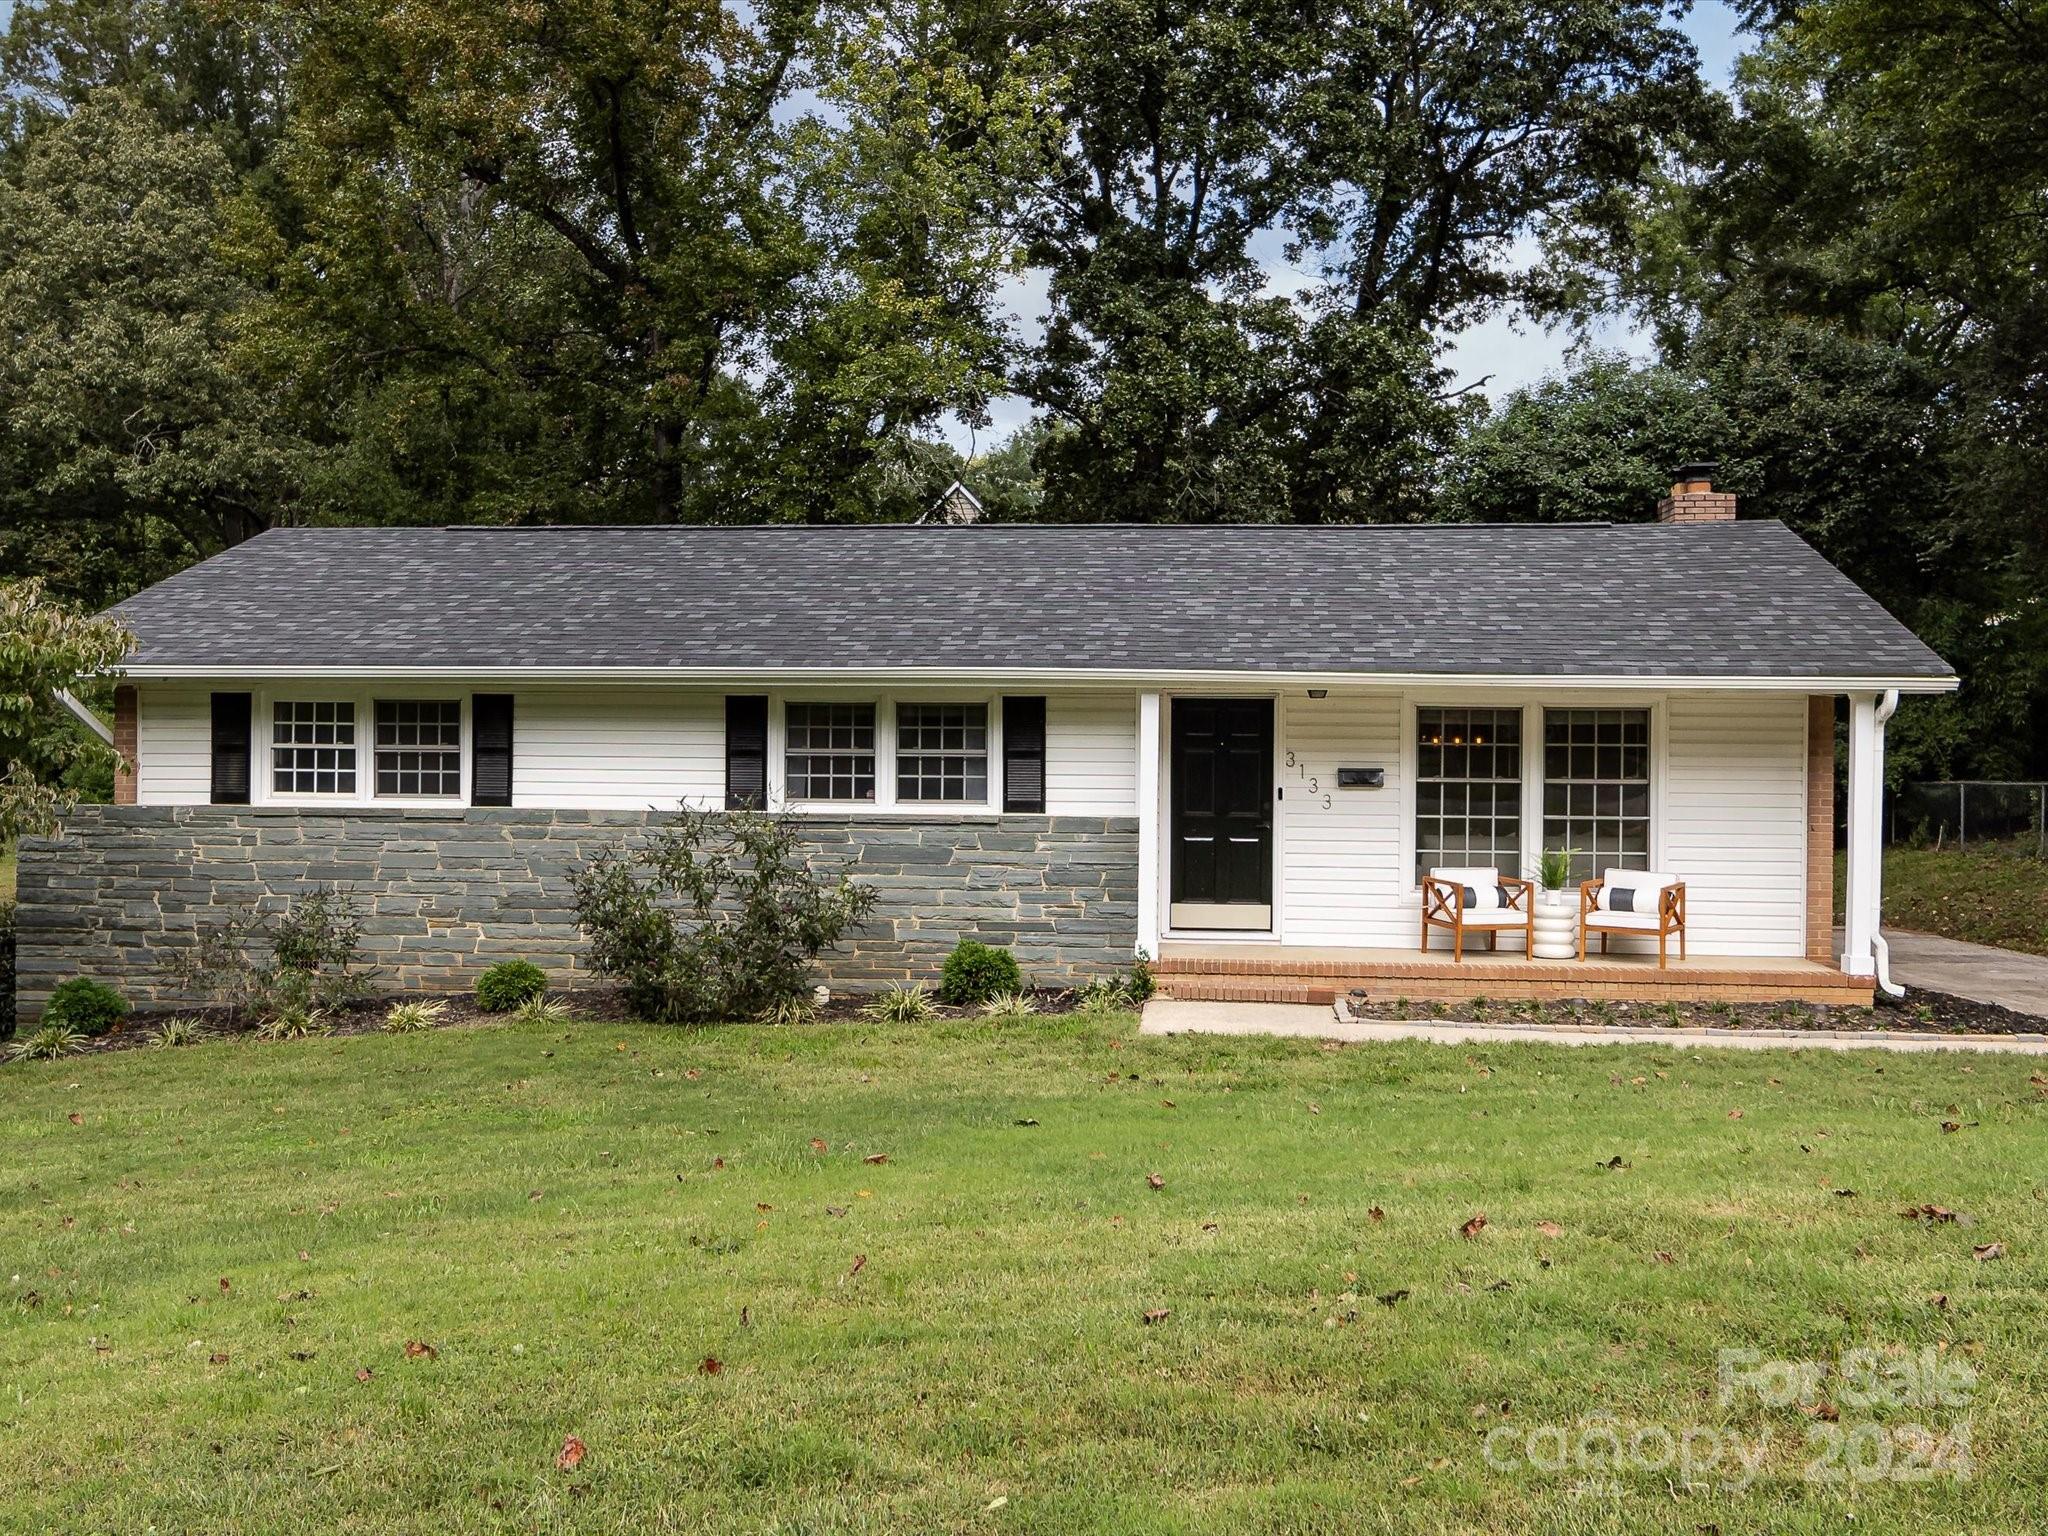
column 1919, row 1011
column 596, row 1005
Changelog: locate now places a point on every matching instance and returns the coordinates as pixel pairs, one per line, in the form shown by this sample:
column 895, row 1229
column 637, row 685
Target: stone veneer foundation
column 449, row 893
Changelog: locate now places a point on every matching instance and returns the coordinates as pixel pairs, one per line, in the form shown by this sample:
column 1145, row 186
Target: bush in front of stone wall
column 86, row 1006
column 510, row 984
column 976, row 972
column 304, row 960
column 718, row 917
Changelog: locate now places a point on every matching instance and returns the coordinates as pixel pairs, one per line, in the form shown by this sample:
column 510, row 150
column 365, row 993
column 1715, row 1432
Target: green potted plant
column 1556, row 913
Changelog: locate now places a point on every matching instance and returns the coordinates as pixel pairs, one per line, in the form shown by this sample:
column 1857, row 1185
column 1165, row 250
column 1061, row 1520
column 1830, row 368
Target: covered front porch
column 1285, row 835
column 1312, row 973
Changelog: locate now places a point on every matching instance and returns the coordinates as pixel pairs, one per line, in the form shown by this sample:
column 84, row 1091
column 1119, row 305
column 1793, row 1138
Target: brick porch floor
column 1276, row 973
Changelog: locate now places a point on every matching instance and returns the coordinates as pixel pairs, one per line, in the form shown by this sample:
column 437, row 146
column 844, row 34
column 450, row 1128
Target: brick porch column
column 124, row 744
column 1820, row 828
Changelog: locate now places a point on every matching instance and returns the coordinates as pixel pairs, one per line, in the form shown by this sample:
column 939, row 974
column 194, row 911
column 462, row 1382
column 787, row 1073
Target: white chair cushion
column 1499, row 917
column 1633, row 890
column 1481, row 885
column 1647, row 921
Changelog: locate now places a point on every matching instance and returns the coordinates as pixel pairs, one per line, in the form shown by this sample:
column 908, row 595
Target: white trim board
column 1253, row 681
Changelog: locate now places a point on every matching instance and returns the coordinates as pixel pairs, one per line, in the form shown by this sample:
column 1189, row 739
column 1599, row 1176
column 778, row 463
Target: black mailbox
column 1361, row 778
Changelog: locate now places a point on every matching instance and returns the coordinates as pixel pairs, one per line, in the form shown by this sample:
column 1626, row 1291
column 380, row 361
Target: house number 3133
column 1311, row 782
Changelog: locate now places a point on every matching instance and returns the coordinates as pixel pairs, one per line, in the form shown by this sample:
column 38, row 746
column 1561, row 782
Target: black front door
column 1222, row 788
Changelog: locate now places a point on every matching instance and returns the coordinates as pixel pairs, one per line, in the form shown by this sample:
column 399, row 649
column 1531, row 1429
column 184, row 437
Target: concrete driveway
column 1976, row 971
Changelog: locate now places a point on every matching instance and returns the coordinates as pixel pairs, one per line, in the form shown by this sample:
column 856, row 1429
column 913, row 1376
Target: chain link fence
column 1958, row 812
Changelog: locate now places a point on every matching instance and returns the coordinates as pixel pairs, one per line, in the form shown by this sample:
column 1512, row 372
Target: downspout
column 86, row 717
column 1881, row 951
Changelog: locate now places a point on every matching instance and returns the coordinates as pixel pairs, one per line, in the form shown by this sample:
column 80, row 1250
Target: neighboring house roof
column 1733, row 600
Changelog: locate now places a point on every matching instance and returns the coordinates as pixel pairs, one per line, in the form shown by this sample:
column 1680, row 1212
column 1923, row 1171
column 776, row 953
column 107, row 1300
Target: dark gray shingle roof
column 1737, row 600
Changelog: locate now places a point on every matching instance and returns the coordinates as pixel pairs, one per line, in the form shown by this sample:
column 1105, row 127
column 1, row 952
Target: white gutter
column 86, row 717
column 1879, row 949
column 1252, row 680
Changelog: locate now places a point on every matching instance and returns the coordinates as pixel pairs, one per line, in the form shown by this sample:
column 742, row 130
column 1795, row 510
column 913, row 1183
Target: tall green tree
column 45, row 647
column 132, row 442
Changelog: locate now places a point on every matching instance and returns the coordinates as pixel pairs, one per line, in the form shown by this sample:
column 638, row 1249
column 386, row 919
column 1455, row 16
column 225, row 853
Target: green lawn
column 216, row 1257
column 1993, row 893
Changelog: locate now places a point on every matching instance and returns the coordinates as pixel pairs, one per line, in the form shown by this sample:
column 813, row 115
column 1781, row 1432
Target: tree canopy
column 292, row 261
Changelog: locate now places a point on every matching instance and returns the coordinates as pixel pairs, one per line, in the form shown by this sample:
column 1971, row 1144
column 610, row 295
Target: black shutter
column 1024, row 754
column 490, row 759
column 746, row 751
column 230, row 749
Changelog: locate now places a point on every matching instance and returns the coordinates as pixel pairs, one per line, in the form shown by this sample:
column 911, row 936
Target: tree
column 133, row 442
column 44, row 648
column 1390, row 154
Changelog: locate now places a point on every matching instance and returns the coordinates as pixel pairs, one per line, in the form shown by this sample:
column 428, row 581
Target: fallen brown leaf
column 1936, row 1214
column 710, row 1365
column 1939, row 1300
column 572, row 1455
column 860, row 1262
column 364, row 1373
column 1663, row 1256
column 1376, row 1215
column 218, row 1357
column 818, row 1144
column 1823, row 1410
column 876, row 1157
column 1393, row 1298
column 1734, row 1114
column 419, row 1349
column 1950, row 1127
column 1550, row 1229
column 224, row 1284
column 75, row 1118
column 1473, row 1227
column 1158, row 1315
column 1985, row 1251
column 1157, row 1181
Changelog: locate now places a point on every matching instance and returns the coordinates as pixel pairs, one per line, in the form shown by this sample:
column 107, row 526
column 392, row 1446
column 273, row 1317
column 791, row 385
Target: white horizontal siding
column 173, row 744
column 1340, row 862
column 1735, row 820
column 618, row 749
column 1091, row 754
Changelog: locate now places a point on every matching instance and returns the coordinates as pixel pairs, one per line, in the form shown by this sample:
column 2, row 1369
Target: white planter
column 1557, row 926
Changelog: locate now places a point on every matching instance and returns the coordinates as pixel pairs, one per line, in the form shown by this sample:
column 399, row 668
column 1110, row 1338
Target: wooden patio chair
column 1633, row 901
column 1477, row 900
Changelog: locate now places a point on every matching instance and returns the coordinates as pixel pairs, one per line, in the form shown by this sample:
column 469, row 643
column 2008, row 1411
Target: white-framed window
column 942, row 752
column 419, row 748
column 313, row 747
column 829, row 750
column 1468, row 788
column 1596, row 787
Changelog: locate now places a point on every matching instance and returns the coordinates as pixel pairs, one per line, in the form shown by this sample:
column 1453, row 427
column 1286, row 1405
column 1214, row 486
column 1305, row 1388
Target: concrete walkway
column 1166, row 1016
column 1975, row 971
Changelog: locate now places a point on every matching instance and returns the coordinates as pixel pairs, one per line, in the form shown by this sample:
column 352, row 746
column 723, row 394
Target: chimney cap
column 1703, row 469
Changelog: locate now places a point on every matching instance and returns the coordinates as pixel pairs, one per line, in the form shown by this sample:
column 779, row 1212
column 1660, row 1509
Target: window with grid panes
column 419, row 747
column 1596, row 787
column 829, row 751
column 1468, row 789
column 942, row 752
column 312, row 747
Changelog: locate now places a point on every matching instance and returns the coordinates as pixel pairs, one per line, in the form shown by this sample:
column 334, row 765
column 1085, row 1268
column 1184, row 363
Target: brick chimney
column 1693, row 498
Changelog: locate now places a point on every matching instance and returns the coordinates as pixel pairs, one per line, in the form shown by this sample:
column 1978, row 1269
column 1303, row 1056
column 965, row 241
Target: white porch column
column 1148, row 824
column 1862, row 898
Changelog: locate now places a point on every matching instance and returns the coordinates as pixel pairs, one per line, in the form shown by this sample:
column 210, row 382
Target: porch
column 1287, row 973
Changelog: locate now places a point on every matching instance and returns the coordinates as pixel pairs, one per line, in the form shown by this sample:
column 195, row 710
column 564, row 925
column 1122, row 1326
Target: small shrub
column 508, row 984
column 295, row 1022
column 1105, row 994
column 87, row 1006
column 173, row 1033
column 900, row 1005
column 718, row 917
column 1010, row 1005
column 544, row 1010
column 405, row 1018
column 975, row 972
column 1142, row 983
column 253, row 963
column 46, row 1044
